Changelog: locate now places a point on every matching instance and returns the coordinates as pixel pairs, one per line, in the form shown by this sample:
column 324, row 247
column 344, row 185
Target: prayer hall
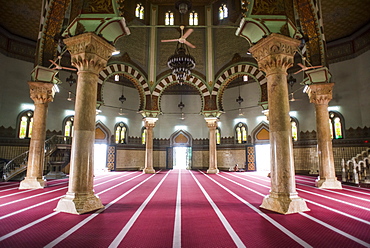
column 184, row 123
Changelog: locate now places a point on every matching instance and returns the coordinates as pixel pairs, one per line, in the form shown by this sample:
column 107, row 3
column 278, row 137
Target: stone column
column 149, row 124
column 320, row 94
column 274, row 55
column 41, row 94
column 89, row 54
column 212, row 125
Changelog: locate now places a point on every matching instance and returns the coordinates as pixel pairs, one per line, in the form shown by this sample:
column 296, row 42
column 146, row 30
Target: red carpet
column 209, row 211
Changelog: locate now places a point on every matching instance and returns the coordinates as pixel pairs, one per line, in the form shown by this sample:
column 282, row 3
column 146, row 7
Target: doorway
column 181, row 157
column 263, row 163
column 100, row 158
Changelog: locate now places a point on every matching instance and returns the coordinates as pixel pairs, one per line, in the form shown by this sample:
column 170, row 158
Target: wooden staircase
column 15, row 167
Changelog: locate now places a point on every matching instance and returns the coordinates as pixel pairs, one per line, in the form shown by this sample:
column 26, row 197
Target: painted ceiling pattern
column 341, row 17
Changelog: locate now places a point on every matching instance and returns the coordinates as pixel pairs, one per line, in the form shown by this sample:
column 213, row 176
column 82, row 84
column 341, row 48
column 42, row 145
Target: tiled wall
column 130, row 159
column 306, row 159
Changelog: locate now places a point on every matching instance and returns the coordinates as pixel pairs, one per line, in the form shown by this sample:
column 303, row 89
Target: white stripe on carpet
column 238, row 242
column 136, row 215
column 177, row 227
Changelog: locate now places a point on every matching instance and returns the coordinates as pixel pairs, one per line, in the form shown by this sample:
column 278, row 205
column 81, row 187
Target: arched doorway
column 102, row 135
column 179, row 156
column 261, row 140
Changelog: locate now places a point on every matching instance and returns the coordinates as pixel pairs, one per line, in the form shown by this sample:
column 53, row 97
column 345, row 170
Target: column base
column 75, row 203
column 284, row 204
column 55, row 175
column 148, row 171
column 328, row 183
column 212, row 171
column 33, row 183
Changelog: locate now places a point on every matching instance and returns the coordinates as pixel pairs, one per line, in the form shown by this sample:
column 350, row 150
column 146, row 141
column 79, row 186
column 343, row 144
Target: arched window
column 294, row 126
column 68, row 126
column 218, row 136
column 143, row 136
column 25, row 120
column 223, row 12
column 336, row 125
column 120, row 133
column 193, row 19
column 169, row 18
column 139, row 11
column 241, row 133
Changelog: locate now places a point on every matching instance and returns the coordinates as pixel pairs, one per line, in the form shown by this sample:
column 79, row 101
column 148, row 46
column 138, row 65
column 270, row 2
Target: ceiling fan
column 58, row 66
column 304, row 68
column 183, row 37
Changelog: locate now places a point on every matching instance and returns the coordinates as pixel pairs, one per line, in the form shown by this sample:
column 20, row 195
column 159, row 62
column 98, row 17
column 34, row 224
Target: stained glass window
column 25, row 124
column 143, row 136
column 338, row 128
column 294, row 125
column 336, row 125
column 241, row 133
column 193, row 18
column 139, row 11
column 218, row 136
column 223, row 12
column 169, row 18
column 68, row 126
column 120, row 133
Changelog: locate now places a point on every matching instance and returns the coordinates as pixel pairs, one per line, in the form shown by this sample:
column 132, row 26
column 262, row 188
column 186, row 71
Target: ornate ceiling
column 341, row 17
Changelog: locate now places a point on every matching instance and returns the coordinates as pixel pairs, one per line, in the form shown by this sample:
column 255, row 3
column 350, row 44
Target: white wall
column 352, row 90
column 351, row 95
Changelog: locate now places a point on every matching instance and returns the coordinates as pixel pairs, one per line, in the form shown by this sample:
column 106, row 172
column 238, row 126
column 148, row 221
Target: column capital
column 211, row 122
column 89, row 52
column 275, row 53
column 41, row 93
column 149, row 122
column 321, row 93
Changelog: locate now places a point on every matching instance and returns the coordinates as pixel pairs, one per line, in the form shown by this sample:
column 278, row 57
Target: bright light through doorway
column 263, row 158
column 100, row 158
column 180, row 154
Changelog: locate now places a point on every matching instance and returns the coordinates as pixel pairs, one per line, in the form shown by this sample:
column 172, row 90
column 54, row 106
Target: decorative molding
column 41, row 93
column 89, row 51
column 275, row 53
column 16, row 47
column 321, row 93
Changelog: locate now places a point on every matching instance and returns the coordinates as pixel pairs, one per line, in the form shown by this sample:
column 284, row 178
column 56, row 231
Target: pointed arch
column 102, row 133
column 170, row 79
column 181, row 138
column 259, row 133
column 133, row 74
column 234, row 71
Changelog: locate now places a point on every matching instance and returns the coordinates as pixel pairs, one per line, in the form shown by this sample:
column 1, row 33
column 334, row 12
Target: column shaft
column 82, row 153
column 89, row 53
column 212, row 125
column 42, row 94
column 149, row 124
column 320, row 95
column 274, row 55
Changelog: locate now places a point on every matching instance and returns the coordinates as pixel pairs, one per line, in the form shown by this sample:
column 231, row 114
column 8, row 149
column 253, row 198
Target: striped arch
column 132, row 74
column 233, row 72
column 170, row 79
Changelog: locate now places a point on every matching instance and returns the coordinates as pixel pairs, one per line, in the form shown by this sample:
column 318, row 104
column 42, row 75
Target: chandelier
column 181, row 62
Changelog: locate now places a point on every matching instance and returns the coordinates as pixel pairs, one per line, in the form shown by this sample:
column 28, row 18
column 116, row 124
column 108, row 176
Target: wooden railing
column 19, row 163
column 357, row 169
